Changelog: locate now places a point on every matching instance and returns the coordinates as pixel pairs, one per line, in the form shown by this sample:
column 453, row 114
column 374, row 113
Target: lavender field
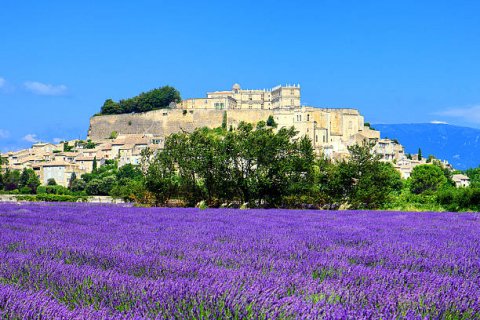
column 101, row 262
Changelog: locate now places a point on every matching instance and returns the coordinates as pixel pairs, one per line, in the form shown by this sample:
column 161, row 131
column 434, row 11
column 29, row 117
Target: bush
column 202, row 205
column 25, row 190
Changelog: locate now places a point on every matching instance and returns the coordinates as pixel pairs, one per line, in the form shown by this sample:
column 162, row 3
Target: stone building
column 279, row 97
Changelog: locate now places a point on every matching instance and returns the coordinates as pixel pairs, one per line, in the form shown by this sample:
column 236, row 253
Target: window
column 308, row 117
column 316, row 138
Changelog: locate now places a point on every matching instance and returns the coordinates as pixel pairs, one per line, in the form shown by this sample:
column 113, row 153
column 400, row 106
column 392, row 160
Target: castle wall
column 165, row 122
column 330, row 129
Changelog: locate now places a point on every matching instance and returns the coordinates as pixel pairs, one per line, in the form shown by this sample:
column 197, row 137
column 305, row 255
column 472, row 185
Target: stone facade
column 279, row 97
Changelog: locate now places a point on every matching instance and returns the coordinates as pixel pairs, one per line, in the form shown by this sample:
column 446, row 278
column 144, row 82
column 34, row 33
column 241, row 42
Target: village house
column 461, row 180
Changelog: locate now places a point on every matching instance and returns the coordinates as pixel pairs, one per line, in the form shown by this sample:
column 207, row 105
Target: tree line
column 159, row 98
column 258, row 166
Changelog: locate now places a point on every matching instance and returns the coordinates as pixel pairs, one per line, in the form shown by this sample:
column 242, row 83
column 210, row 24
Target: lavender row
column 164, row 263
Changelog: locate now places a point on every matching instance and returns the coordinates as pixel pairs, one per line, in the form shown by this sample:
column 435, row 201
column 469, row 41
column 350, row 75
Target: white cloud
column 57, row 140
column 31, row 137
column 45, row 89
column 470, row 114
column 438, row 122
column 4, row 134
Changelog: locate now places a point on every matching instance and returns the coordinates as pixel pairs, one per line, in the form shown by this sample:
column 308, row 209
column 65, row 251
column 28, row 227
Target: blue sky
column 396, row 61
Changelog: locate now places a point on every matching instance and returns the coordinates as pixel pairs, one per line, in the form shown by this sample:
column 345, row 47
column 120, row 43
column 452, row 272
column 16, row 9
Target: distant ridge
column 459, row 145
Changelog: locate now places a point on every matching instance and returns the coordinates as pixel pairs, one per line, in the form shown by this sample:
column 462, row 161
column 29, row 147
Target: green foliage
column 106, row 185
column 224, row 120
column 67, row 148
column 159, row 98
column 130, row 190
column 113, row 135
column 89, row 144
column 419, row 155
column 28, row 181
column 362, row 182
column 474, row 175
column 73, row 178
column 78, row 185
column 11, row 179
column 52, row 198
column 252, row 165
column 459, row 199
column 93, row 187
column 51, row 182
column 427, row 178
column 271, row 122
column 94, row 164
column 202, row 205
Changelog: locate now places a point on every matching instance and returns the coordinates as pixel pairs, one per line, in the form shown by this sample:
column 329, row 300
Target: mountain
column 459, row 145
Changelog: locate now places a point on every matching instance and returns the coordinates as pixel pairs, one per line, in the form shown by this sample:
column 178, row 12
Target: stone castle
column 330, row 130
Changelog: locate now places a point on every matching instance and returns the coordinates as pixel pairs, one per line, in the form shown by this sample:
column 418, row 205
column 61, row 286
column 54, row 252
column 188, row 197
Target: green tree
column 271, row 122
column 28, row 181
column 363, row 181
column 474, row 175
column 93, row 187
column 426, row 178
column 419, row 154
column 90, row 144
column 161, row 179
column 110, row 107
column 51, row 182
column 159, row 98
column 130, row 172
column 224, row 120
column 67, row 148
column 73, row 178
column 11, row 179
column 106, row 185
column 94, row 164
column 78, row 185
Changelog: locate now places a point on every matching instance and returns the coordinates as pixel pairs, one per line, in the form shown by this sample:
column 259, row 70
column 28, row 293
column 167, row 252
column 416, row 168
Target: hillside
column 459, row 145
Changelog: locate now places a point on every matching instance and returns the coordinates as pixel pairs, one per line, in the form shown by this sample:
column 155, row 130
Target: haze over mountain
column 459, row 145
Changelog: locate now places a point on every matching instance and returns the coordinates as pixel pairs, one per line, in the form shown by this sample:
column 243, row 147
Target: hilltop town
column 122, row 137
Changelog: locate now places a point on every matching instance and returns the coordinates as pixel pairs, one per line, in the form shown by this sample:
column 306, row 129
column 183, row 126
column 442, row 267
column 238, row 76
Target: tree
column 106, row 185
column 28, row 181
column 426, row 178
column 51, row 182
column 90, row 144
column 78, row 185
column 11, row 179
column 94, row 164
column 110, row 107
column 159, row 98
column 363, row 181
column 73, row 178
column 271, row 122
column 419, row 154
column 160, row 178
column 130, row 172
column 93, row 187
column 224, row 120
column 66, row 147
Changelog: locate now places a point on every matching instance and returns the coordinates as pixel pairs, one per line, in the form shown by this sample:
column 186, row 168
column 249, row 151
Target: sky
column 395, row 61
